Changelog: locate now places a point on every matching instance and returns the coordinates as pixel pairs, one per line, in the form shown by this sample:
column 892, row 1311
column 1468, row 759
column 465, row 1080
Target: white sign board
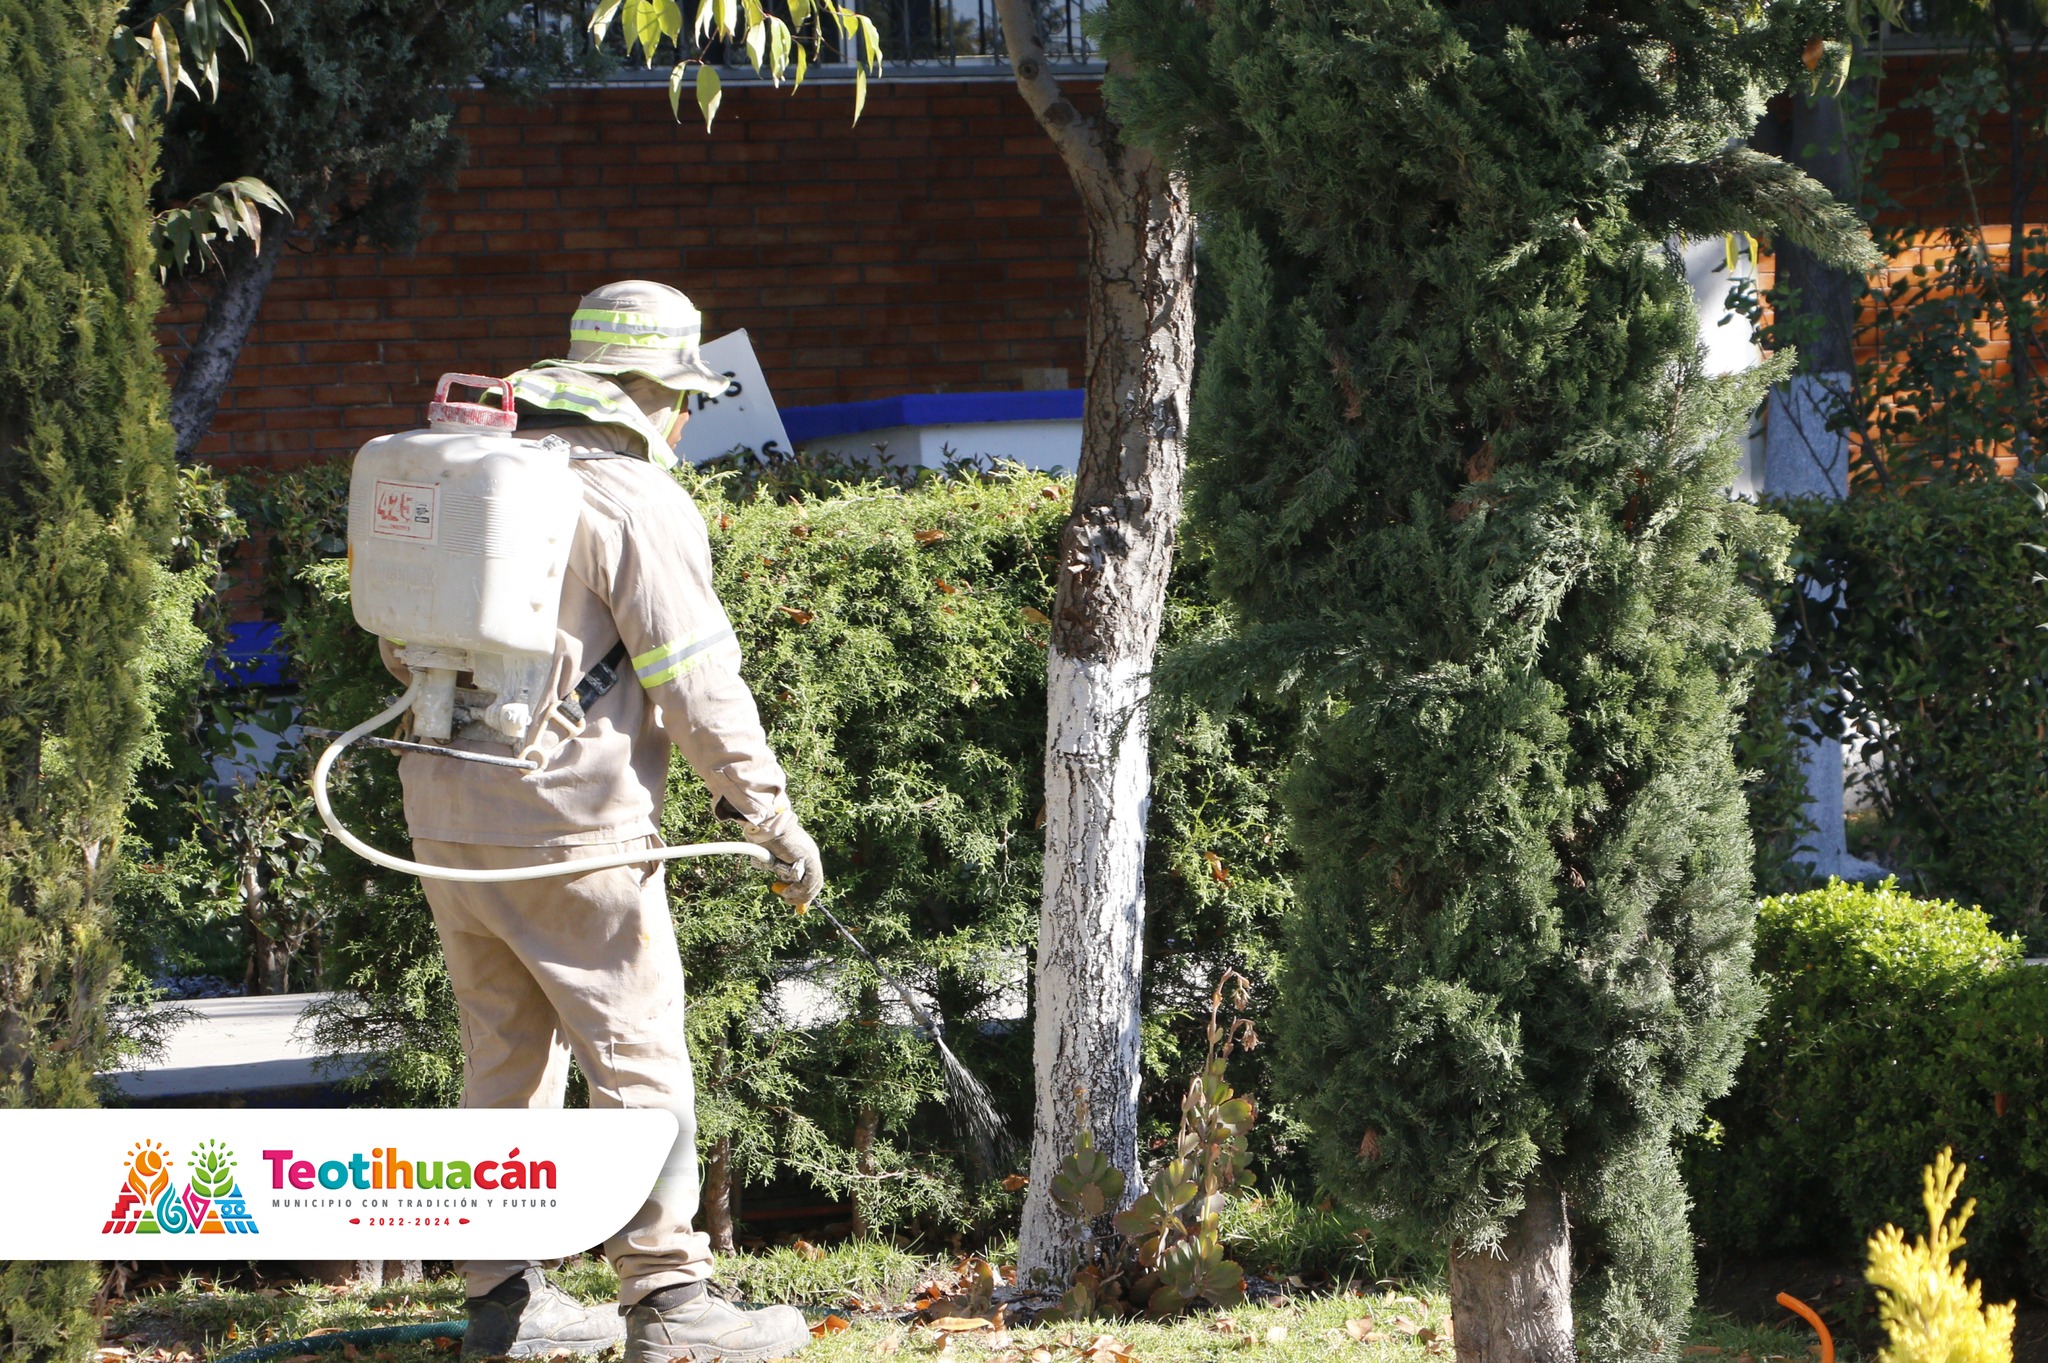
column 744, row 414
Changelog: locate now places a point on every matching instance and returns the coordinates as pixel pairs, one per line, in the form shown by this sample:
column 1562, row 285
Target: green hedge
column 1921, row 615
column 1895, row 1026
column 901, row 677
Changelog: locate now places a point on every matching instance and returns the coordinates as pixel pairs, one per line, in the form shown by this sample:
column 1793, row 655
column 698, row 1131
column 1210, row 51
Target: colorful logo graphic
column 210, row 1203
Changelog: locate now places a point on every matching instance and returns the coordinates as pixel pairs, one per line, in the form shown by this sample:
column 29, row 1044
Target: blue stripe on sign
column 930, row 409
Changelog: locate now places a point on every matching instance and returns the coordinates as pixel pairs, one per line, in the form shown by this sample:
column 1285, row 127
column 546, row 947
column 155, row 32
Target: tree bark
column 1115, row 554
column 864, row 1123
column 717, row 1198
column 270, row 961
column 1515, row 1306
column 245, row 274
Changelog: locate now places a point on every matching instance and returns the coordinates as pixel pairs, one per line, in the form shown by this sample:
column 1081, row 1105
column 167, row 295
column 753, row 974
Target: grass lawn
column 199, row 1322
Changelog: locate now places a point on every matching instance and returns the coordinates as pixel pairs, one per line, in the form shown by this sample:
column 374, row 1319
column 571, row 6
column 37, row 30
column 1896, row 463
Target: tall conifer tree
column 85, row 513
column 1464, row 483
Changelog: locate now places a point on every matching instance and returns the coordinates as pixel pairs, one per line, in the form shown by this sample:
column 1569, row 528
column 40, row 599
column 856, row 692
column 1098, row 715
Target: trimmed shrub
column 901, row 676
column 1895, row 1026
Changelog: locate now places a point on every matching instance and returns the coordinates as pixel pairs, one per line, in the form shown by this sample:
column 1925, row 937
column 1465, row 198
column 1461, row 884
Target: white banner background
column 71, row 1177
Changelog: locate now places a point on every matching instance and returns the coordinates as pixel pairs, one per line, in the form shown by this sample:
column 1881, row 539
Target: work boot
column 529, row 1317
column 686, row 1324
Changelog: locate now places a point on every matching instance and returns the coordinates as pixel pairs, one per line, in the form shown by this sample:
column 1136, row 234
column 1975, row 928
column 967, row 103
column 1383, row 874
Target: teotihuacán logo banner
column 284, row 1183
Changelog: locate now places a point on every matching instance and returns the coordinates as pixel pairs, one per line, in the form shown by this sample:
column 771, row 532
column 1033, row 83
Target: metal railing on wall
column 934, row 35
column 950, row 31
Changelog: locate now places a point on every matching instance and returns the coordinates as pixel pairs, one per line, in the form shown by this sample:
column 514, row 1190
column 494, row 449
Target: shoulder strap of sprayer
column 602, row 677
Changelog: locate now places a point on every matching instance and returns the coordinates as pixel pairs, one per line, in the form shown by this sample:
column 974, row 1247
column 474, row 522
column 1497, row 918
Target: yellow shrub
column 1930, row 1310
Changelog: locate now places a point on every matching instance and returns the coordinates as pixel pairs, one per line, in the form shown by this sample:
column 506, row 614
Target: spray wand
column 967, row 1097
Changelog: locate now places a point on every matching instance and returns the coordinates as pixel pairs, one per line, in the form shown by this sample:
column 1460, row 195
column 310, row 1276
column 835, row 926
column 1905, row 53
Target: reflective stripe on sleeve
column 678, row 657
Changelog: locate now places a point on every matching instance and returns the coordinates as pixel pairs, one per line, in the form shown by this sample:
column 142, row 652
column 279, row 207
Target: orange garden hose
column 1811, row 1317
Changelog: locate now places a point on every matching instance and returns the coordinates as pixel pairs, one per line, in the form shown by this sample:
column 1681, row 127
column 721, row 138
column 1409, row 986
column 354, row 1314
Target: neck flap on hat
column 559, row 388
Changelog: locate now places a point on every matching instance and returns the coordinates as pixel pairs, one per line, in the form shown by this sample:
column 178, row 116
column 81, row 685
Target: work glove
column 798, row 870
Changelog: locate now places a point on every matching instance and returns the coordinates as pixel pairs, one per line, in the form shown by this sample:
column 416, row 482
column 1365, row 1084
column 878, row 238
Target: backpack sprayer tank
column 458, row 540
column 458, row 537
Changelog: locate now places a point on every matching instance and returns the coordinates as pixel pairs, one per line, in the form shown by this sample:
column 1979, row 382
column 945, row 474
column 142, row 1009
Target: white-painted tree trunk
column 1803, row 458
column 1091, row 936
column 1115, row 554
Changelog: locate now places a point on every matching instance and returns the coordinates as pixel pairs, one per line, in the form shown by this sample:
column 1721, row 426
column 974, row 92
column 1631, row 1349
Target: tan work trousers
column 585, row 966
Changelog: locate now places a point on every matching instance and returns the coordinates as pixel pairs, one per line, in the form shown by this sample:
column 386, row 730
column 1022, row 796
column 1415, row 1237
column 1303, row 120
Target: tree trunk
column 209, row 365
column 864, row 1124
column 1115, row 554
column 1516, row 1306
column 1806, row 448
column 717, row 1197
column 270, row 961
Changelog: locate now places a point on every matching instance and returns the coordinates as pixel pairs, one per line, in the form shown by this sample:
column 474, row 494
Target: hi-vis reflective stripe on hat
column 679, row 657
column 603, row 327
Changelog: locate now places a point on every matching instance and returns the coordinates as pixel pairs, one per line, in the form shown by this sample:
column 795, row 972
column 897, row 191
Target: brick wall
column 937, row 247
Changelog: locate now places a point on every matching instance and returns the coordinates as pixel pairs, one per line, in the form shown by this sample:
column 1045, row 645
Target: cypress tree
column 1462, row 480
column 86, row 508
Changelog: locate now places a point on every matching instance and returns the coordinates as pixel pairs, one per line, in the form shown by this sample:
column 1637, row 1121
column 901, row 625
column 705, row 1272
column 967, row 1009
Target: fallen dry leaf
column 1016, row 1183
column 1361, row 1329
column 1051, row 494
column 802, row 617
column 1035, row 615
column 929, row 536
column 961, row 1324
column 1369, row 1146
column 947, row 587
column 1221, row 874
column 831, row 1325
column 1405, row 1325
column 1107, row 1349
column 888, row 1347
column 802, row 532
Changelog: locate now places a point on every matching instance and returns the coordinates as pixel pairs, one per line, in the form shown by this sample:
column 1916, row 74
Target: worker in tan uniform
column 587, row 966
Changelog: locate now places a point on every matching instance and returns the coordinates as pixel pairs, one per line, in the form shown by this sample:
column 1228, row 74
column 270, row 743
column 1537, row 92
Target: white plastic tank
column 458, row 535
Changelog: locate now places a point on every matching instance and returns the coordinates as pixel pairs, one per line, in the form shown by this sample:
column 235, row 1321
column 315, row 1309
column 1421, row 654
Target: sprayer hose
column 574, row 867
column 382, row 1334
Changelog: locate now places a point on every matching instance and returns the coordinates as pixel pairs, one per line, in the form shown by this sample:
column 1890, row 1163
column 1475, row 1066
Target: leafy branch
column 233, row 209
column 777, row 48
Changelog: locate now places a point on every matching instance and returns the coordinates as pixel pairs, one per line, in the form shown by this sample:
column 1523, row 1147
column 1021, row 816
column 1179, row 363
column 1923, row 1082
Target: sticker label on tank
column 403, row 510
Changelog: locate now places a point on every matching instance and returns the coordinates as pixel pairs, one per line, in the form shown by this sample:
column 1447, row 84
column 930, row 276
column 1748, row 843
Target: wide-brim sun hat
column 637, row 326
